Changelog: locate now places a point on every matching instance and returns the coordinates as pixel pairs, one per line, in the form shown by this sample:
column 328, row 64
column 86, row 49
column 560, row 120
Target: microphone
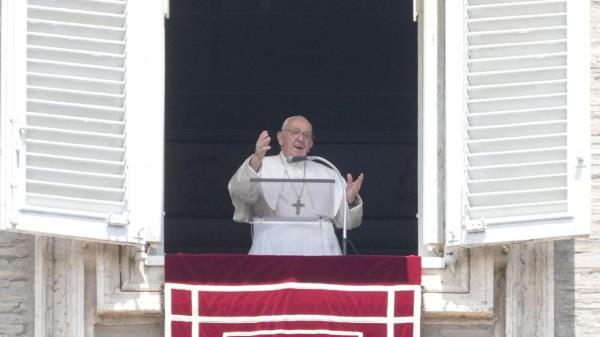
column 296, row 159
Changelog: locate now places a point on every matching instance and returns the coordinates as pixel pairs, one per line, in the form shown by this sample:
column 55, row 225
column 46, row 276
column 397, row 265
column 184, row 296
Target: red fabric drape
column 243, row 295
column 257, row 269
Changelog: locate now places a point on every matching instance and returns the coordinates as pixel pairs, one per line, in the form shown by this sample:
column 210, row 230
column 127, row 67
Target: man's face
column 296, row 139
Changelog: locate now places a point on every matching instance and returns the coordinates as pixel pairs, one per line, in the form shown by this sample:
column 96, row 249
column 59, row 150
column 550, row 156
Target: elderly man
column 295, row 139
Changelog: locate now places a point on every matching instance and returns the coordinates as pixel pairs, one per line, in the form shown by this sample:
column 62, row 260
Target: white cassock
column 251, row 201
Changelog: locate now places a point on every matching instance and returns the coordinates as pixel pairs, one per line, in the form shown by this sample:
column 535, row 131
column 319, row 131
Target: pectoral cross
column 298, row 204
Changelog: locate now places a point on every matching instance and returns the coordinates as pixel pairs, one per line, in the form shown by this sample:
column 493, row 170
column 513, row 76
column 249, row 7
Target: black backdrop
column 236, row 67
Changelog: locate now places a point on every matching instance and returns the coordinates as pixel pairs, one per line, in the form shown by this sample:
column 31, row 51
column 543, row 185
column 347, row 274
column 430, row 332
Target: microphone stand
column 344, row 197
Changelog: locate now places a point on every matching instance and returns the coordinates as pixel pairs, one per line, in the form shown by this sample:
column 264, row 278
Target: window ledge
column 427, row 262
column 155, row 260
column 464, row 288
column 430, row 262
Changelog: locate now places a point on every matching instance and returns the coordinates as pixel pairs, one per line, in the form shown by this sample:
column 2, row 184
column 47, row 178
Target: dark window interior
column 236, row 67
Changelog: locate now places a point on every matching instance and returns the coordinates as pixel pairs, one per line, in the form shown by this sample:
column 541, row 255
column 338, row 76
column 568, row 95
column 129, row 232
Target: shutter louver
column 516, row 125
column 75, row 118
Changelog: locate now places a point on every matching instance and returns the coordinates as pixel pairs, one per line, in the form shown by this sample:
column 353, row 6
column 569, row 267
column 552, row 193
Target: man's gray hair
column 286, row 121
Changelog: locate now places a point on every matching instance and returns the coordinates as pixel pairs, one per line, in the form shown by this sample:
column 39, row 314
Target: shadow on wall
column 147, row 330
column 564, row 288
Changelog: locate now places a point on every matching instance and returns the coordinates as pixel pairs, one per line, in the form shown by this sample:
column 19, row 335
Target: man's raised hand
column 262, row 146
column 353, row 187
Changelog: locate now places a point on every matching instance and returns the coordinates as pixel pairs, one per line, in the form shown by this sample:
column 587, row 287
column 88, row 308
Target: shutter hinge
column 475, row 226
column 117, row 220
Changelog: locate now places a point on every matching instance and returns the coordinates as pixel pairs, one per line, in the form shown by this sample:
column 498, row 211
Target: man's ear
column 280, row 137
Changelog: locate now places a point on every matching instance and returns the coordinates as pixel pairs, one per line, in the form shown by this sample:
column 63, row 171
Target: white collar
column 286, row 164
column 275, row 169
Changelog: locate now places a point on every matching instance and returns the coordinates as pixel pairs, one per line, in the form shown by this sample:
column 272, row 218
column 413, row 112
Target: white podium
column 302, row 228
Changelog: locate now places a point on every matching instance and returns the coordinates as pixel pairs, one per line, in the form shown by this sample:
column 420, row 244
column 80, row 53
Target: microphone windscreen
column 295, row 159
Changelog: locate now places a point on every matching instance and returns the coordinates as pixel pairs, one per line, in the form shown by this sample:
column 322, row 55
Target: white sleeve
column 244, row 195
column 353, row 215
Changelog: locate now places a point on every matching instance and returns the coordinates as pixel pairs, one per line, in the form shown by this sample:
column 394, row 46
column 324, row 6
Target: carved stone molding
column 123, row 287
column 454, row 278
column 468, row 292
column 136, row 275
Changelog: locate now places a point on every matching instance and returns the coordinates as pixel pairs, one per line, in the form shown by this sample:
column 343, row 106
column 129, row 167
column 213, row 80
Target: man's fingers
column 349, row 178
column 265, row 146
column 262, row 144
column 260, row 149
column 263, row 135
column 358, row 182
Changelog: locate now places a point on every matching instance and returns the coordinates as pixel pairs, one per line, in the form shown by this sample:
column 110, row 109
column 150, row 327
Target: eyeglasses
column 297, row 132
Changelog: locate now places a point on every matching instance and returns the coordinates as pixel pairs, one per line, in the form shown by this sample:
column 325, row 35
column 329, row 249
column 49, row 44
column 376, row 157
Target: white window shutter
column 517, row 121
column 85, row 101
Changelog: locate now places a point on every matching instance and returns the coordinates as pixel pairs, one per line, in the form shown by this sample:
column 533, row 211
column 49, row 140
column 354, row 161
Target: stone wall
column 577, row 262
column 16, row 285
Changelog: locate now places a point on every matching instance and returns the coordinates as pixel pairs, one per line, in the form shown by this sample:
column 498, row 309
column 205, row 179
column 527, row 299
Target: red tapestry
column 217, row 295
